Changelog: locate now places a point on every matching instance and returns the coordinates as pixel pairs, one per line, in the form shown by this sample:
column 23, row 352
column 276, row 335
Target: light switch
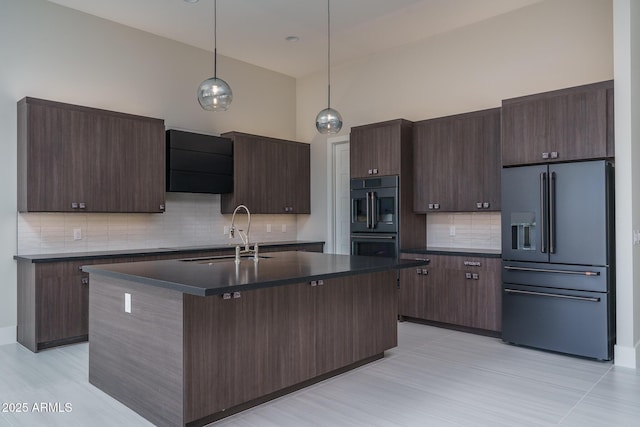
column 225, row 230
column 268, row 228
column 127, row 302
column 452, row 231
column 284, row 228
column 77, row 234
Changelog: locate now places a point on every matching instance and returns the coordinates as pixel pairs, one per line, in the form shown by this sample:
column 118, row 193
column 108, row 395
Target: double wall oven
column 374, row 216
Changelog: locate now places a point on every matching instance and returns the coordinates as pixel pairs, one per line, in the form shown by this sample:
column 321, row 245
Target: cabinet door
column 524, row 131
column 412, row 299
column 297, row 179
column 434, row 181
column 468, row 153
column 491, row 162
column 558, row 126
column 375, row 146
column 144, row 150
column 58, row 158
column 75, row 158
column 62, row 302
column 271, row 176
column 578, row 125
column 474, row 287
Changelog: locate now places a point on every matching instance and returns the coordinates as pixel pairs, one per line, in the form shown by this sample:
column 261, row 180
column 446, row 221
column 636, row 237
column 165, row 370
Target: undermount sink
column 221, row 258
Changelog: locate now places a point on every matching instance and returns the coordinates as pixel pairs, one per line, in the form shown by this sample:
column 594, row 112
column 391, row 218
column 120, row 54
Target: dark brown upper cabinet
column 559, row 126
column 457, row 163
column 376, row 149
column 80, row 159
column 270, row 176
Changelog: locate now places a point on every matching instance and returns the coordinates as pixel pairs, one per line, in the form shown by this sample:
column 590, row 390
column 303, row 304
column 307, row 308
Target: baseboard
column 627, row 357
column 8, row 335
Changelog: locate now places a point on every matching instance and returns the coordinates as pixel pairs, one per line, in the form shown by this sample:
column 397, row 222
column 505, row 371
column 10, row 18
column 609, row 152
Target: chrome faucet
column 243, row 236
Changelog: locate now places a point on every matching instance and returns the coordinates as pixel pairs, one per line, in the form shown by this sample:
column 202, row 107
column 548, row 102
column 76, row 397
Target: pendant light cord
column 328, row 54
column 215, row 38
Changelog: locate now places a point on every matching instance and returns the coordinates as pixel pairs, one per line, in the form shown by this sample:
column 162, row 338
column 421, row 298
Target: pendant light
column 214, row 94
column 328, row 121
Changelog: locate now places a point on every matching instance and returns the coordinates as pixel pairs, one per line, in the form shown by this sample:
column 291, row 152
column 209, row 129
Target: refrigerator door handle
column 546, row 270
column 552, row 214
column 543, row 212
column 545, row 294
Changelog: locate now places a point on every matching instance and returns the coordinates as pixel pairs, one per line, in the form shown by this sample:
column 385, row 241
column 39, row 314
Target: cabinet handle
column 554, row 154
column 85, row 280
column 545, row 155
column 478, row 205
column 74, row 205
column 83, row 205
column 467, row 275
column 313, row 283
column 370, row 171
column 436, row 206
column 475, row 276
column 236, row 295
column 472, row 263
column 486, row 205
column 375, row 171
column 162, row 207
column 320, row 282
column 430, row 205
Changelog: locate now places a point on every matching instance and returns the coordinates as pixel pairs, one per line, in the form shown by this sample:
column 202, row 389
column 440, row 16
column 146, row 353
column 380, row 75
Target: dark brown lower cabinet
column 209, row 357
column 53, row 297
column 456, row 290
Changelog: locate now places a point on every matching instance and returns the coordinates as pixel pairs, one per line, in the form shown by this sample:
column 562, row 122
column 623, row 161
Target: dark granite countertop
column 223, row 275
column 485, row 253
column 80, row 256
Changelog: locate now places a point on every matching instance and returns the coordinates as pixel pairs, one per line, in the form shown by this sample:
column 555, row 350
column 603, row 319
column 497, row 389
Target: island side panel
column 137, row 357
column 240, row 349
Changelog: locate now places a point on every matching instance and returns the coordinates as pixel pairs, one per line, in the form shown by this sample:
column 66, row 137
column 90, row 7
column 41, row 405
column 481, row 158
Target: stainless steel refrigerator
column 558, row 257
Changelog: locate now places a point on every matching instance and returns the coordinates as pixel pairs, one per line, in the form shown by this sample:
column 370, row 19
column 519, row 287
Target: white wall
column 627, row 107
column 546, row 46
column 52, row 52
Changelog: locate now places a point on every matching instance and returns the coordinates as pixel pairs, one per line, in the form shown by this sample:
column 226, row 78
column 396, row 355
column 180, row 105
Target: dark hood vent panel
column 198, row 163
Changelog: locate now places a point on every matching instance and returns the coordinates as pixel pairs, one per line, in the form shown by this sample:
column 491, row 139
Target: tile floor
column 435, row 377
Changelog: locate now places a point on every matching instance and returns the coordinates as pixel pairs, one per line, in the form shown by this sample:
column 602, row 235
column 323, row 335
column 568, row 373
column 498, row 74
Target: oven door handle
column 377, row 237
column 372, row 209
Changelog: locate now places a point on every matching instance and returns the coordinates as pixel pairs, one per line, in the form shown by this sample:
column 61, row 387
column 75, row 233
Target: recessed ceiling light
column 292, row 38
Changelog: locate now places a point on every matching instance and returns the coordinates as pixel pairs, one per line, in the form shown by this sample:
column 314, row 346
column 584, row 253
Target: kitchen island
column 186, row 342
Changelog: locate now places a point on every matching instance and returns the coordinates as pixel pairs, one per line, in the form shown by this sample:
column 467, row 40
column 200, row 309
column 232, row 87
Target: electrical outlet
column 452, row 231
column 77, row 234
column 268, row 228
column 636, row 237
column 284, row 228
column 127, row 302
column 226, row 229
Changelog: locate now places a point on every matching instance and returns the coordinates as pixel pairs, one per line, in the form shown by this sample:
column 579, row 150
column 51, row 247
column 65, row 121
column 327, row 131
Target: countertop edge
column 198, row 291
column 482, row 253
column 80, row 256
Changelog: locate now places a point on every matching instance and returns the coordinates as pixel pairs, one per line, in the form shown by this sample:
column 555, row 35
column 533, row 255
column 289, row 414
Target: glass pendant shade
column 214, row 94
column 328, row 121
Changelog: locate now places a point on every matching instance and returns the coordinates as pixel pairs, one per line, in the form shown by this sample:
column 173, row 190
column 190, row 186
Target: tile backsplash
column 189, row 220
column 478, row 230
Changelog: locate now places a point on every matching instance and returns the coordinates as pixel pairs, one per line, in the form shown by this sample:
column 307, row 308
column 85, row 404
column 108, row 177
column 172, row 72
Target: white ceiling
column 254, row 31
